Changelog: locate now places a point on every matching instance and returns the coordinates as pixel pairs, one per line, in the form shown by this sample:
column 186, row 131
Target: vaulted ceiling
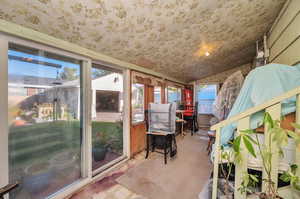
column 167, row 36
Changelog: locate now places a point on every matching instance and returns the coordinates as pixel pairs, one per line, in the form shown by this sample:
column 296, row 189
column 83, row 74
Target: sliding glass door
column 44, row 118
column 63, row 119
column 107, row 116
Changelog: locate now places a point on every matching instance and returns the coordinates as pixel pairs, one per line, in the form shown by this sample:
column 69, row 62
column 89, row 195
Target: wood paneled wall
column 137, row 138
column 138, row 130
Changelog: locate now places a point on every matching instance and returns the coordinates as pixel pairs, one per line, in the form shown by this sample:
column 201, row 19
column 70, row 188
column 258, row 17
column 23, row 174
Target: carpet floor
column 182, row 178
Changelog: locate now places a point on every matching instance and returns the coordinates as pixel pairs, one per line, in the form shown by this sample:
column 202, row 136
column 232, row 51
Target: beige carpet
column 182, row 178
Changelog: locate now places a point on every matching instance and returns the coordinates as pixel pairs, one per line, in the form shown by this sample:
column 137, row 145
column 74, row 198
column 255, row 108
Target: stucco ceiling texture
column 167, row 36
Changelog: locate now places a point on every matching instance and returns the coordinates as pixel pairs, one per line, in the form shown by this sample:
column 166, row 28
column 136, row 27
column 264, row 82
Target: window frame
column 85, row 171
column 196, row 94
column 160, row 93
column 86, row 147
column 134, row 122
column 179, row 90
column 126, row 121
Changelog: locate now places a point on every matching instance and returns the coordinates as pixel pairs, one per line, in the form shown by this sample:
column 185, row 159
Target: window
column 44, row 130
column 157, row 94
column 174, row 94
column 206, row 95
column 107, row 112
column 137, row 102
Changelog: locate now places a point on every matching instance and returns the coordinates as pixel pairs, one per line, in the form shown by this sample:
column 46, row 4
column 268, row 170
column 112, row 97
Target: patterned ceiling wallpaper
column 167, row 36
column 221, row 77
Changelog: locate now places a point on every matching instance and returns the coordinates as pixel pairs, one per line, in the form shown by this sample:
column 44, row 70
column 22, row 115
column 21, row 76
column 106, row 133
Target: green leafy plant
column 226, row 157
column 249, row 180
column 277, row 135
column 290, row 176
column 229, row 156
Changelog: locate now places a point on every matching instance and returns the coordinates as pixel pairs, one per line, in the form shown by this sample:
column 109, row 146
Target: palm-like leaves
column 276, row 134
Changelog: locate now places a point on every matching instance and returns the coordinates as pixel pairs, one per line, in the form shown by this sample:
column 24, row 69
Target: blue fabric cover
column 261, row 85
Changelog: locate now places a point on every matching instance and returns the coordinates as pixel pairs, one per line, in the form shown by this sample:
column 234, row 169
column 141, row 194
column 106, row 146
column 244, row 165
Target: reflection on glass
column 137, row 102
column 44, row 121
column 107, row 109
column 157, row 94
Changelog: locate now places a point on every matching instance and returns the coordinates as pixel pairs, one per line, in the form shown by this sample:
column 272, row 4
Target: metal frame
column 196, row 90
column 87, row 175
column 126, row 121
column 4, row 180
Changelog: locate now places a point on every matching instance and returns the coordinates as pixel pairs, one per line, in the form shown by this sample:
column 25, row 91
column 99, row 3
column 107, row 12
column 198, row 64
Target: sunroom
column 148, row 99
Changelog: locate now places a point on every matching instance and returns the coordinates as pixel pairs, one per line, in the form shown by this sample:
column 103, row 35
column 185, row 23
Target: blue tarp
column 261, row 85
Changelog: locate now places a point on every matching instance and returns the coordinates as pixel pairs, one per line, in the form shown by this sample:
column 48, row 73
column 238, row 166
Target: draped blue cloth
column 263, row 84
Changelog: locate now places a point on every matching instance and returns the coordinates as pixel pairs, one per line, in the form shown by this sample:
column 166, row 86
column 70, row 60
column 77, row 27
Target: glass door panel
column 174, row 94
column 157, row 95
column 107, row 112
column 44, row 109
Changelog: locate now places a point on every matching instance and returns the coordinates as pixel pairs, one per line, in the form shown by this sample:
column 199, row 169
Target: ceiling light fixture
column 207, row 54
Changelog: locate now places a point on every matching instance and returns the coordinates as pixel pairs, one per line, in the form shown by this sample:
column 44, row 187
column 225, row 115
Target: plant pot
column 99, row 153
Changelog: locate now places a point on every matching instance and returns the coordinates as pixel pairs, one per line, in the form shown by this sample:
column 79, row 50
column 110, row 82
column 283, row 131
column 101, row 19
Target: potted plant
column 280, row 137
column 99, row 151
column 100, row 146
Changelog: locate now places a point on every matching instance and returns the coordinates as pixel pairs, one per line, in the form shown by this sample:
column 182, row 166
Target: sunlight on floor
column 191, row 169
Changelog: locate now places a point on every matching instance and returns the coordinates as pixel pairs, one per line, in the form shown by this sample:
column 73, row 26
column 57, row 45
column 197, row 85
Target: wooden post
column 275, row 112
column 216, row 164
column 241, row 168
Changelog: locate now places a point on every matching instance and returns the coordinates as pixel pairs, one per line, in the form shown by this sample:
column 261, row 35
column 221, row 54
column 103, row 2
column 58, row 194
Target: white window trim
column 196, row 88
column 126, row 121
column 141, row 121
column 86, row 66
column 4, row 180
column 160, row 93
column 178, row 89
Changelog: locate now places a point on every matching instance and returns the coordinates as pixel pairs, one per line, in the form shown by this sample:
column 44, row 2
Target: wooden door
column 138, row 130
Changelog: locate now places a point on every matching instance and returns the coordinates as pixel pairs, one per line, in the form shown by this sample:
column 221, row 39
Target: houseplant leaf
column 251, row 139
column 237, row 143
column 249, row 146
column 247, row 131
column 268, row 120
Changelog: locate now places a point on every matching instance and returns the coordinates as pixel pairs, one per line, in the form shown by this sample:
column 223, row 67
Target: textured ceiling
column 167, row 36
